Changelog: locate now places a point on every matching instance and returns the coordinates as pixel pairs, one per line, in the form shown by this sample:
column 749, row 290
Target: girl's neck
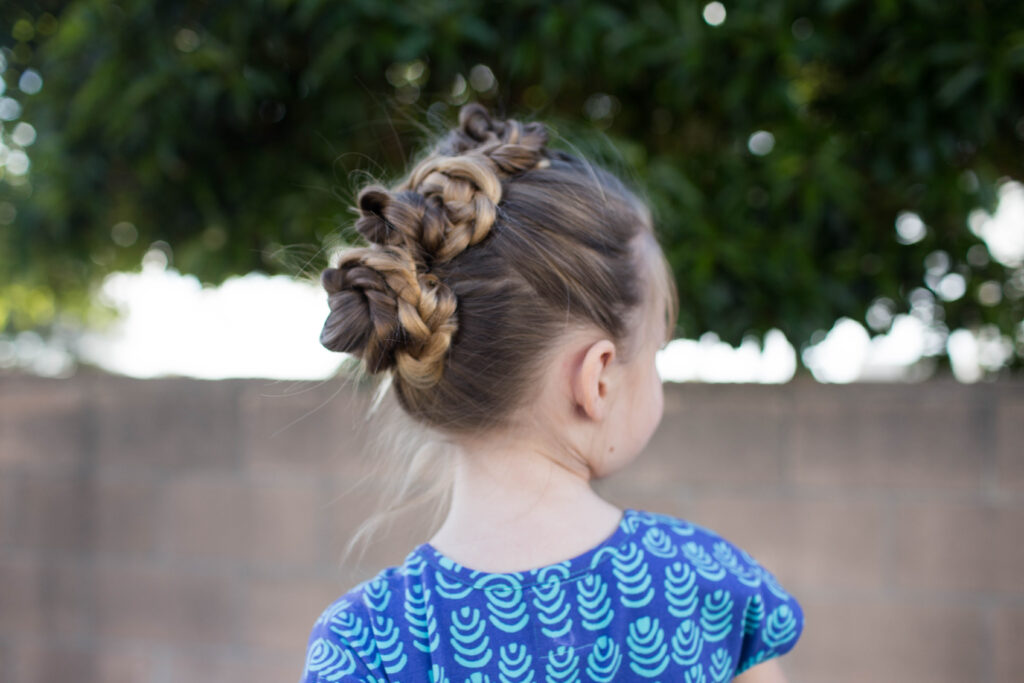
column 521, row 507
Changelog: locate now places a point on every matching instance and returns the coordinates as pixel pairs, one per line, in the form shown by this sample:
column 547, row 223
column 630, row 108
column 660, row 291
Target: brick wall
column 179, row 530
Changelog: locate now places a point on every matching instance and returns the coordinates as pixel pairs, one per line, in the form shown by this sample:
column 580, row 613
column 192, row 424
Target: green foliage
column 228, row 130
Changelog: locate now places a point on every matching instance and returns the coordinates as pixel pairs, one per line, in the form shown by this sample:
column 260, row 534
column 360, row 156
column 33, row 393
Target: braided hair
column 476, row 263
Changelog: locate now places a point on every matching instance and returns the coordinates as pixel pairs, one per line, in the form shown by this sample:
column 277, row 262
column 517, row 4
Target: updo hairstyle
column 479, row 261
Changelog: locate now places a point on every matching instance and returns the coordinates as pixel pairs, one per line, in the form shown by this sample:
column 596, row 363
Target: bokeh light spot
column 714, row 13
column 17, row 162
column 481, row 78
column 23, row 134
column 990, row 293
column 952, row 286
column 10, row 109
column 761, row 142
column 124, row 234
column 186, row 40
column 910, row 228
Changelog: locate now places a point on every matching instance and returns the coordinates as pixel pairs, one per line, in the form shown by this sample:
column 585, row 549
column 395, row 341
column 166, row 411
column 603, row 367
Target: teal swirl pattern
column 753, row 615
column 721, row 665
column 469, row 640
column 633, row 523
column 328, row 661
column 553, row 609
column 748, row 575
column 681, row 591
column 560, row 571
column 515, row 664
column 604, row 660
column 633, row 577
column 680, row 527
column 450, row 588
column 687, row 643
column 646, row 647
column 413, row 566
column 659, row 543
column 389, row 646
column 703, row 563
column 562, row 665
column 505, row 603
column 358, row 636
column 716, row 615
column 420, row 613
column 660, row 599
column 781, row 626
column 595, row 607
column 695, row 674
column 377, row 594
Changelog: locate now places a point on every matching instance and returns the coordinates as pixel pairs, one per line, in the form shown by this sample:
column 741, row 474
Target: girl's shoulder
column 656, row 539
column 665, row 535
column 367, row 600
column 707, row 574
column 344, row 641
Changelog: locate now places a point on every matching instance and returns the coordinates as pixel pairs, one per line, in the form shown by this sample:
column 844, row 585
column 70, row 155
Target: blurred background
column 838, row 186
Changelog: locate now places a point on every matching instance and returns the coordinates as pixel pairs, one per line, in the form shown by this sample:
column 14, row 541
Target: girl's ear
column 590, row 380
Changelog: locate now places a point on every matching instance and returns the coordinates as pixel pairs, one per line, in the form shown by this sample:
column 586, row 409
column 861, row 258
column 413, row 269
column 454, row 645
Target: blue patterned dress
column 661, row 599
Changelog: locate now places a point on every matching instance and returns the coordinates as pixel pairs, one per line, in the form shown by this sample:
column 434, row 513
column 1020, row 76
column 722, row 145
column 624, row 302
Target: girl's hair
column 489, row 250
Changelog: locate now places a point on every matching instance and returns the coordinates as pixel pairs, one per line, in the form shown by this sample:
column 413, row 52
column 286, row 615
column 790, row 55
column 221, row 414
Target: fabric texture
column 661, row 599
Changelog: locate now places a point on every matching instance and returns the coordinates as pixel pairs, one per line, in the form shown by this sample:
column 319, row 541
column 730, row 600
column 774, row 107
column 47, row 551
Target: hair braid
column 449, row 201
column 385, row 305
column 391, row 315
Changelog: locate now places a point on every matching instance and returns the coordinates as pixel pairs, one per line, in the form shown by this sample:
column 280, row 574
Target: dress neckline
column 426, row 555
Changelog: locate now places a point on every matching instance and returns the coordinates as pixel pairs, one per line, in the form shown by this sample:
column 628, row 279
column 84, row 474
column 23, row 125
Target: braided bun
column 389, row 314
column 385, row 305
column 513, row 146
column 449, row 201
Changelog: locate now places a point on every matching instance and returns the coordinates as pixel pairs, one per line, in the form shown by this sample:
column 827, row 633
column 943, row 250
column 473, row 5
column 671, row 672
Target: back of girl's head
column 479, row 261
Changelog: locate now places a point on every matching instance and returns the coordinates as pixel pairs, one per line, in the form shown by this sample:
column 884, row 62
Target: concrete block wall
column 181, row 530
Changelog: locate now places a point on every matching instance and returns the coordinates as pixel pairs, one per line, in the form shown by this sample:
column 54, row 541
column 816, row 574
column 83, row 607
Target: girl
column 515, row 297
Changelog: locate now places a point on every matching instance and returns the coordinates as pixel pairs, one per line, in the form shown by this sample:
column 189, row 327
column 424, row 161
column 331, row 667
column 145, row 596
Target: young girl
column 515, row 297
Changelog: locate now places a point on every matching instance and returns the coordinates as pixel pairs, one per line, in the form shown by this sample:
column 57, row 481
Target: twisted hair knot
column 389, row 314
column 386, row 307
column 449, row 201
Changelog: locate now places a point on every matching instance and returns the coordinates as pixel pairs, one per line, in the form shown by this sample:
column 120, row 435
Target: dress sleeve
column 772, row 619
column 341, row 649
